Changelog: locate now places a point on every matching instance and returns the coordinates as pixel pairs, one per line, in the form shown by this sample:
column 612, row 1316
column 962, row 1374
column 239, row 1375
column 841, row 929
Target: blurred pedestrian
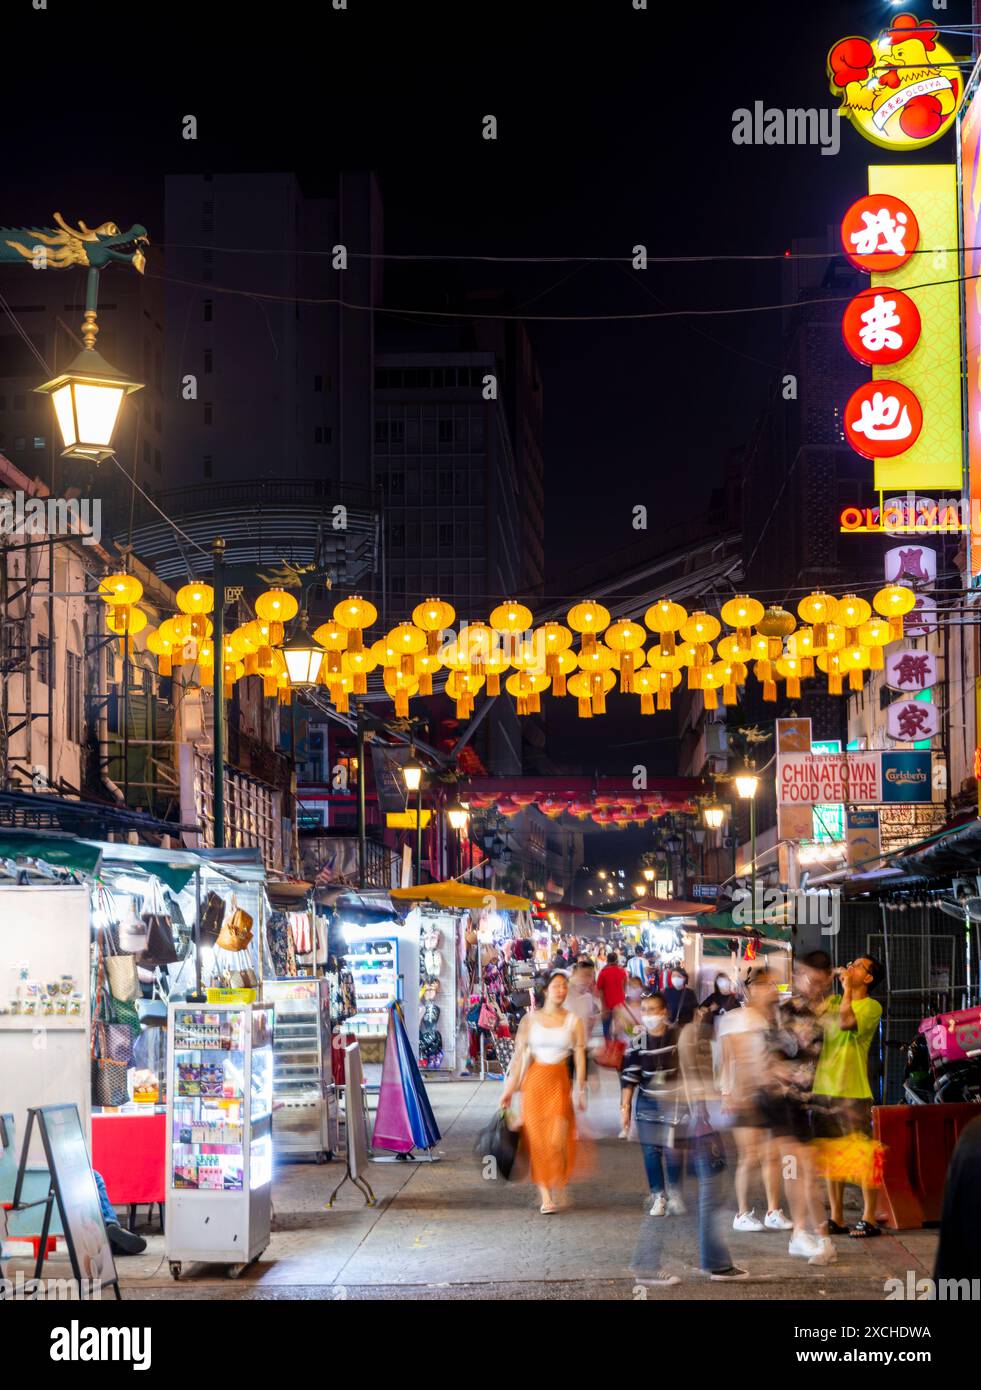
column 842, row 1099
column 612, row 985
column 539, row 1071
column 681, row 1000
column 743, row 1037
column 650, row 1071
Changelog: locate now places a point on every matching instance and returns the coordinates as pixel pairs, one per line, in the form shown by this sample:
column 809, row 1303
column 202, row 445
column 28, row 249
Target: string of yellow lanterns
column 834, row 636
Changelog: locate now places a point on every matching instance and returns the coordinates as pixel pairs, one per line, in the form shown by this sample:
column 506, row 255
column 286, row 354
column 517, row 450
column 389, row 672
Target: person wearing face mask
column 680, row 1000
column 721, row 999
column 650, row 1070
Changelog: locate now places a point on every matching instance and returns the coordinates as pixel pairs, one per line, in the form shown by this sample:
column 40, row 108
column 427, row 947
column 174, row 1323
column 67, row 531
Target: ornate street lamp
column 302, row 655
column 86, row 400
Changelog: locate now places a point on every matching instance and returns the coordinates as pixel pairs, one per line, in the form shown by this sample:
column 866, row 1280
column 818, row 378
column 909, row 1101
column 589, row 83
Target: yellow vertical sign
column 932, row 371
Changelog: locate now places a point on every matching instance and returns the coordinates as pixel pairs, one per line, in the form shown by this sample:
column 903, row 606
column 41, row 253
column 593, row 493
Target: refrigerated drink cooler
column 304, row 1098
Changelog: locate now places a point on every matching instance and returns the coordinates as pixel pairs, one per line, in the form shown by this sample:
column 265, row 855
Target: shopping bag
column 236, row 933
column 110, row 1082
column 212, row 916
column 499, row 1142
column 114, row 1042
column 159, row 950
column 121, row 973
column 610, row 1053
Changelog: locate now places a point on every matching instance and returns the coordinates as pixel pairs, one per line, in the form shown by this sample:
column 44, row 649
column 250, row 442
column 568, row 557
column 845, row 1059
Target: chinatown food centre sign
column 810, row 779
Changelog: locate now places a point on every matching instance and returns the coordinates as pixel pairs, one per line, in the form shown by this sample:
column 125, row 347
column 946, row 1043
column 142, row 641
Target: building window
column 396, row 431
column 44, row 671
column 73, row 698
column 445, row 534
column 39, row 441
column 157, row 461
column 381, row 431
column 208, row 310
column 318, row 382
column 446, row 431
column 209, row 359
column 208, row 412
column 323, row 434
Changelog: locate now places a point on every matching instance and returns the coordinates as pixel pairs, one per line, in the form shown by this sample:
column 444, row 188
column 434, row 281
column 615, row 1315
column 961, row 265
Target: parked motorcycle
column 943, row 1061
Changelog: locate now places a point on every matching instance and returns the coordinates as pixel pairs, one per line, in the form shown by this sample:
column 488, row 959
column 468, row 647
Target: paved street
column 441, row 1231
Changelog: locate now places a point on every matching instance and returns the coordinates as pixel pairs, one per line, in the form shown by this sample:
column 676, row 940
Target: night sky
column 614, row 128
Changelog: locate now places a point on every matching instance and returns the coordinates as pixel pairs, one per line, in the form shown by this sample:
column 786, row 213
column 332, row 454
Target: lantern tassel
column 402, row 703
column 729, row 695
column 667, row 643
column 163, row 665
column 664, row 698
column 585, row 708
column 793, row 688
column 895, row 628
column 807, row 667
column 834, row 682
column 558, row 684
column 426, row 683
column 647, row 703
column 770, row 691
column 876, row 662
column 855, row 680
column 269, row 685
column 820, row 639
column 343, row 704
column 710, row 697
column 493, row 683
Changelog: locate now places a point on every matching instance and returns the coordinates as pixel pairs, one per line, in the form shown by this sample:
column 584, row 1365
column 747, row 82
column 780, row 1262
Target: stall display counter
column 219, row 1133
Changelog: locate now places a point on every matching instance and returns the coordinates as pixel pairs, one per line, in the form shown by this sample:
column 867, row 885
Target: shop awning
column 461, row 895
column 60, row 851
column 644, row 909
column 721, row 924
column 956, row 851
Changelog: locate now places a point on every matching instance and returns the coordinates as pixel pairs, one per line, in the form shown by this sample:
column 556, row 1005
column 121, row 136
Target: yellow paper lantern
column 196, row 598
column 427, row 664
column 433, row 617
column 357, row 665
column 276, row 606
column 854, row 660
column 776, row 625
column 818, row 609
column 666, row 618
column 735, row 648
column 874, row 635
column 333, row 638
column 407, row 640
column 120, row 590
column 126, row 622
column 461, row 686
column 475, row 643
column 742, row 613
column 511, row 617
column 161, row 649
column 626, row 638
column 588, row 618
column 893, row 602
column 563, row 664
column 401, row 686
column 830, row 662
column 526, row 687
column 789, row 668
column 590, row 689
column 851, row 612
column 355, row 614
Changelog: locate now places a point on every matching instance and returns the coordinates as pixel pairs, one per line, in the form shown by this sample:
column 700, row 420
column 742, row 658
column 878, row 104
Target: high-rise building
column 268, row 374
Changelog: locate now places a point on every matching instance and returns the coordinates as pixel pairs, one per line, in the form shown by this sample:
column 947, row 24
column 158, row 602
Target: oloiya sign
column 901, row 89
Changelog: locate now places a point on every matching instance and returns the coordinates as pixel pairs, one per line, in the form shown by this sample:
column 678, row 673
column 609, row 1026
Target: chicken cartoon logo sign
column 902, row 89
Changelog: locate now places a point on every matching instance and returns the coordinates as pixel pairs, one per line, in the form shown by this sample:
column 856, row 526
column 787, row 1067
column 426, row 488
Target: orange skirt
column 549, row 1123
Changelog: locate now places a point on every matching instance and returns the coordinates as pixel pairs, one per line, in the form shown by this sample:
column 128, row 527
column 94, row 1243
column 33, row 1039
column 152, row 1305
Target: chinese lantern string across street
column 827, row 636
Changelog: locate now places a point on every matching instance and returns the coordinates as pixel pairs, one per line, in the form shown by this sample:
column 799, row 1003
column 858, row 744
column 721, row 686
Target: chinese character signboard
column 910, row 720
column 881, row 327
column 910, row 670
column 931, row 371
column 900, row 89
column 970, row 152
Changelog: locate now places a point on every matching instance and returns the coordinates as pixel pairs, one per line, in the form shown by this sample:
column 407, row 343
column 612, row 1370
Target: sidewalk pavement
column 441, row 1230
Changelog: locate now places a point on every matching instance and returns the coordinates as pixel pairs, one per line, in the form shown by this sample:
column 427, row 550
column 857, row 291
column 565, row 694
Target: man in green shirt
column 842, row 1099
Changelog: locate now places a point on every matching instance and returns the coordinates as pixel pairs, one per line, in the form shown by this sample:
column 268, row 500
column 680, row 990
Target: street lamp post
column 746, row 785
column 218, row 701
column 412, row 774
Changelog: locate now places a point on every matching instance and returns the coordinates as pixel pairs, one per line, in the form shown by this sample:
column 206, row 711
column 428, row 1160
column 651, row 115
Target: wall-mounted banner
column 969, row 135
column 862, row 837
column 909, row 721
column 900, row 89
column 909, row 669
column 865, row 778
column 910, row 564
column 931, row 372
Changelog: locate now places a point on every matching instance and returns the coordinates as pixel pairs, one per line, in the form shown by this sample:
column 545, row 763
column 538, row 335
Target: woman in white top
column 540, row 1071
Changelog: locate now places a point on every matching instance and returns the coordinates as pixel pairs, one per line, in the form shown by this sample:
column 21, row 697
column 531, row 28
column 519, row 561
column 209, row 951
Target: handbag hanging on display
column 159, row 949
column 236, row 932
column 130, row 930
column 110, row 1082
column 119, row 966
column 210, row 920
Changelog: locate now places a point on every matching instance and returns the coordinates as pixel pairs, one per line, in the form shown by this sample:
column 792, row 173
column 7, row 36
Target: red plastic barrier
column 919, row 1141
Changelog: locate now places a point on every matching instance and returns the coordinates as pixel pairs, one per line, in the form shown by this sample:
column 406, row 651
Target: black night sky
column 615, row 128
